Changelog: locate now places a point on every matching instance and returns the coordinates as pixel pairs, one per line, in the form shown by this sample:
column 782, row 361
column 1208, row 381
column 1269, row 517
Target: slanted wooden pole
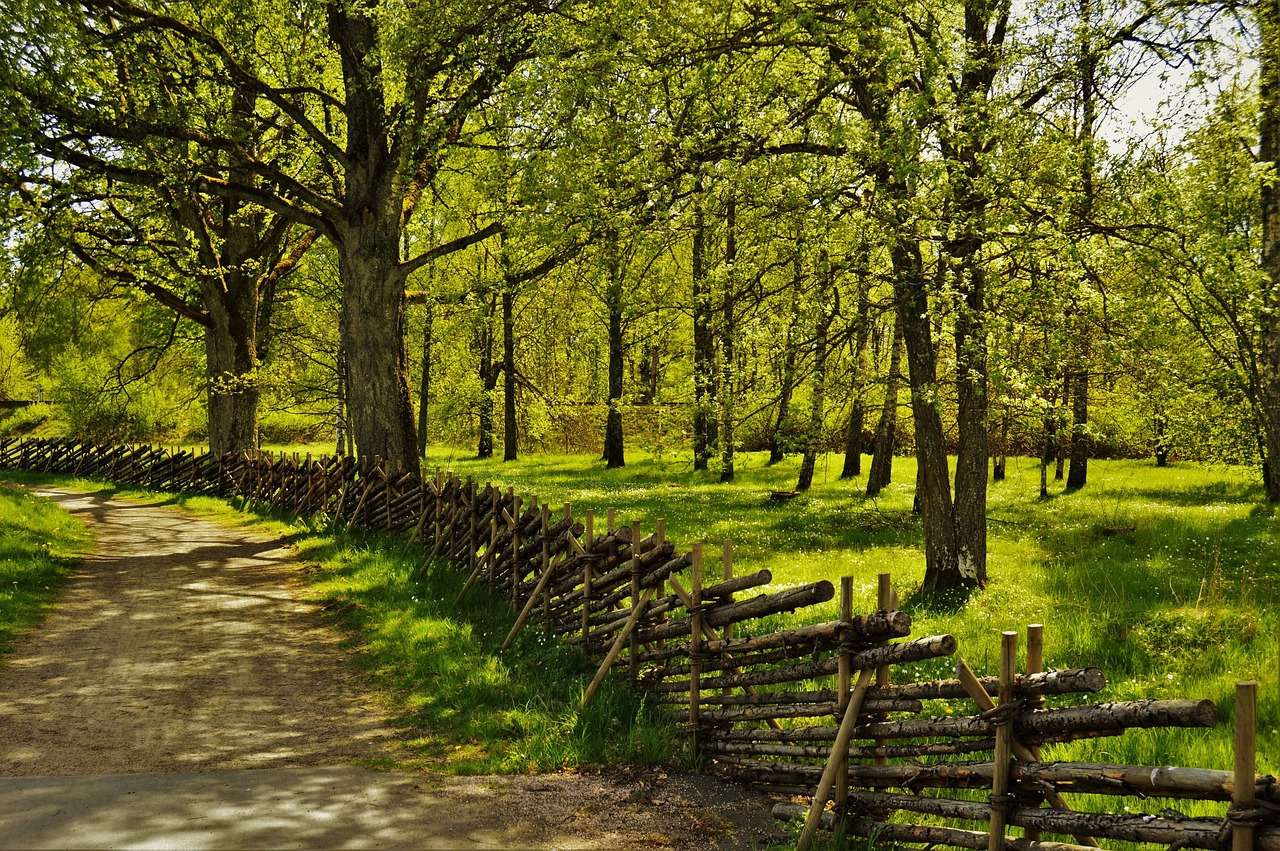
column 1245, row 780
column 840, row 746
column 633, row 650
column 973, row 686
column 616, row 649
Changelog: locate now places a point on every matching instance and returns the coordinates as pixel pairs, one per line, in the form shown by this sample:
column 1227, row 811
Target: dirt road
column 184, row 695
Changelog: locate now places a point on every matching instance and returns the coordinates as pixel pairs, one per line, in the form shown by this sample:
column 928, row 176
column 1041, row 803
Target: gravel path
column 183, row 695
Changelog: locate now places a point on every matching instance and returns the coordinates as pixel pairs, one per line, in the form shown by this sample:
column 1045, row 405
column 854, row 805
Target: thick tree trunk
column 881, row 472
column 704, row 421
column 1269, row 345
column 369, row 231
column 510, row 431
column 381, row 413
column 230, row 366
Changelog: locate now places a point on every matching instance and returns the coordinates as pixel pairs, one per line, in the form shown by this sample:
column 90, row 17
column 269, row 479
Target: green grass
column 40, row 545
column 1164, row 578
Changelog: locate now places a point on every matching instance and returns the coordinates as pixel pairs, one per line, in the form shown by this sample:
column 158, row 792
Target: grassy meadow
column 1166, row 578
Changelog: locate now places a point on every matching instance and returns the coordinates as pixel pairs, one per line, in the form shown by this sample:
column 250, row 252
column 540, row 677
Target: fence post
column 1245, row 775
column 1004, row 743
column 844, row 686
column 633, row 650
column 695, row 646
column 884, row 601
column 586, row 581
column 1035, row 664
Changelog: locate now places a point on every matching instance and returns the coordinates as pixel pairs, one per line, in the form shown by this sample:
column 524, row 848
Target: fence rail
column 813, row 710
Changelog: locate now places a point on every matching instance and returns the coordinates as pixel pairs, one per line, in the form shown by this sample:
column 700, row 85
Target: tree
column 375, row 94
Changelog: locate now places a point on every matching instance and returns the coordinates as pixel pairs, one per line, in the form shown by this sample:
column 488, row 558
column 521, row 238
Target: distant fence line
column 811, row 710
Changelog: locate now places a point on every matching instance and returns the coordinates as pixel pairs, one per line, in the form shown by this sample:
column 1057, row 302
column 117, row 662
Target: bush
column 25, row 421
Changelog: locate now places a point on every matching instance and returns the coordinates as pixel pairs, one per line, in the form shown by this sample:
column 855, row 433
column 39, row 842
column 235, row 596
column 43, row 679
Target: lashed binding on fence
column 812, row 711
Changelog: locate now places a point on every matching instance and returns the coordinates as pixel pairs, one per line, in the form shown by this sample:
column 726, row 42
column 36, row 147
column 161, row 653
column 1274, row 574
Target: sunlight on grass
column 1165, row 578
column 40, row 544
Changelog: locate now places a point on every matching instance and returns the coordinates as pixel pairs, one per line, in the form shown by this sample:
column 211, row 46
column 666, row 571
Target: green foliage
column 39, row 546
column 27, row 421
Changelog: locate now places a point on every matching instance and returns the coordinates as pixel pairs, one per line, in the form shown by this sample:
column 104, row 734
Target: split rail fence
column 812, row 711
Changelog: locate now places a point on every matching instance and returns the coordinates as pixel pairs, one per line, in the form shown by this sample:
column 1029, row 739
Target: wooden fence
column 811, row 711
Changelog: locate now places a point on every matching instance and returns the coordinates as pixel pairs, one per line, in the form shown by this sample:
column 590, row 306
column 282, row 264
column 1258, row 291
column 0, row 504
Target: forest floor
column 184, row 694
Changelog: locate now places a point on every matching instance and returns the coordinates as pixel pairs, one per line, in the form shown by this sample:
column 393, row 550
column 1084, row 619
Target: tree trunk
column 728, row 386
column 881, row 471
column 510, row 431
column 424, row 388
column 787, row 382
column 857, row 407
column 704, row 422
column 342, row 434
column 488, row 383
column 1269, row 344
column 934, row 491
column 231, row 364
column 1078, row 472
column 971, row 458
column 1162, row 445
column 1059, row 458
column 813, row 438
column 614, row 448
column 369, row 230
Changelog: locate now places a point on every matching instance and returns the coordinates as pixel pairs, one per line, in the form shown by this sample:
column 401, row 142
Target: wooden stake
column 843, row 686
column 1035, row 664
column 616, row 649
column 884, row 602
column 586, row 580
column 695, row 645
column 528, row 608
column 1004, row 744
column 633, row 656
column 841, row 745
column 1244, row 796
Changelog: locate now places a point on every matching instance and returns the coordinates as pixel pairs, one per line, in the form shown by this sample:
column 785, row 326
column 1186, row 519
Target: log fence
column 811, row 711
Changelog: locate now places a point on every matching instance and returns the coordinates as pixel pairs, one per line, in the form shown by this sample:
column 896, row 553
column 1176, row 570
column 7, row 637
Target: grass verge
column 40, row 544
